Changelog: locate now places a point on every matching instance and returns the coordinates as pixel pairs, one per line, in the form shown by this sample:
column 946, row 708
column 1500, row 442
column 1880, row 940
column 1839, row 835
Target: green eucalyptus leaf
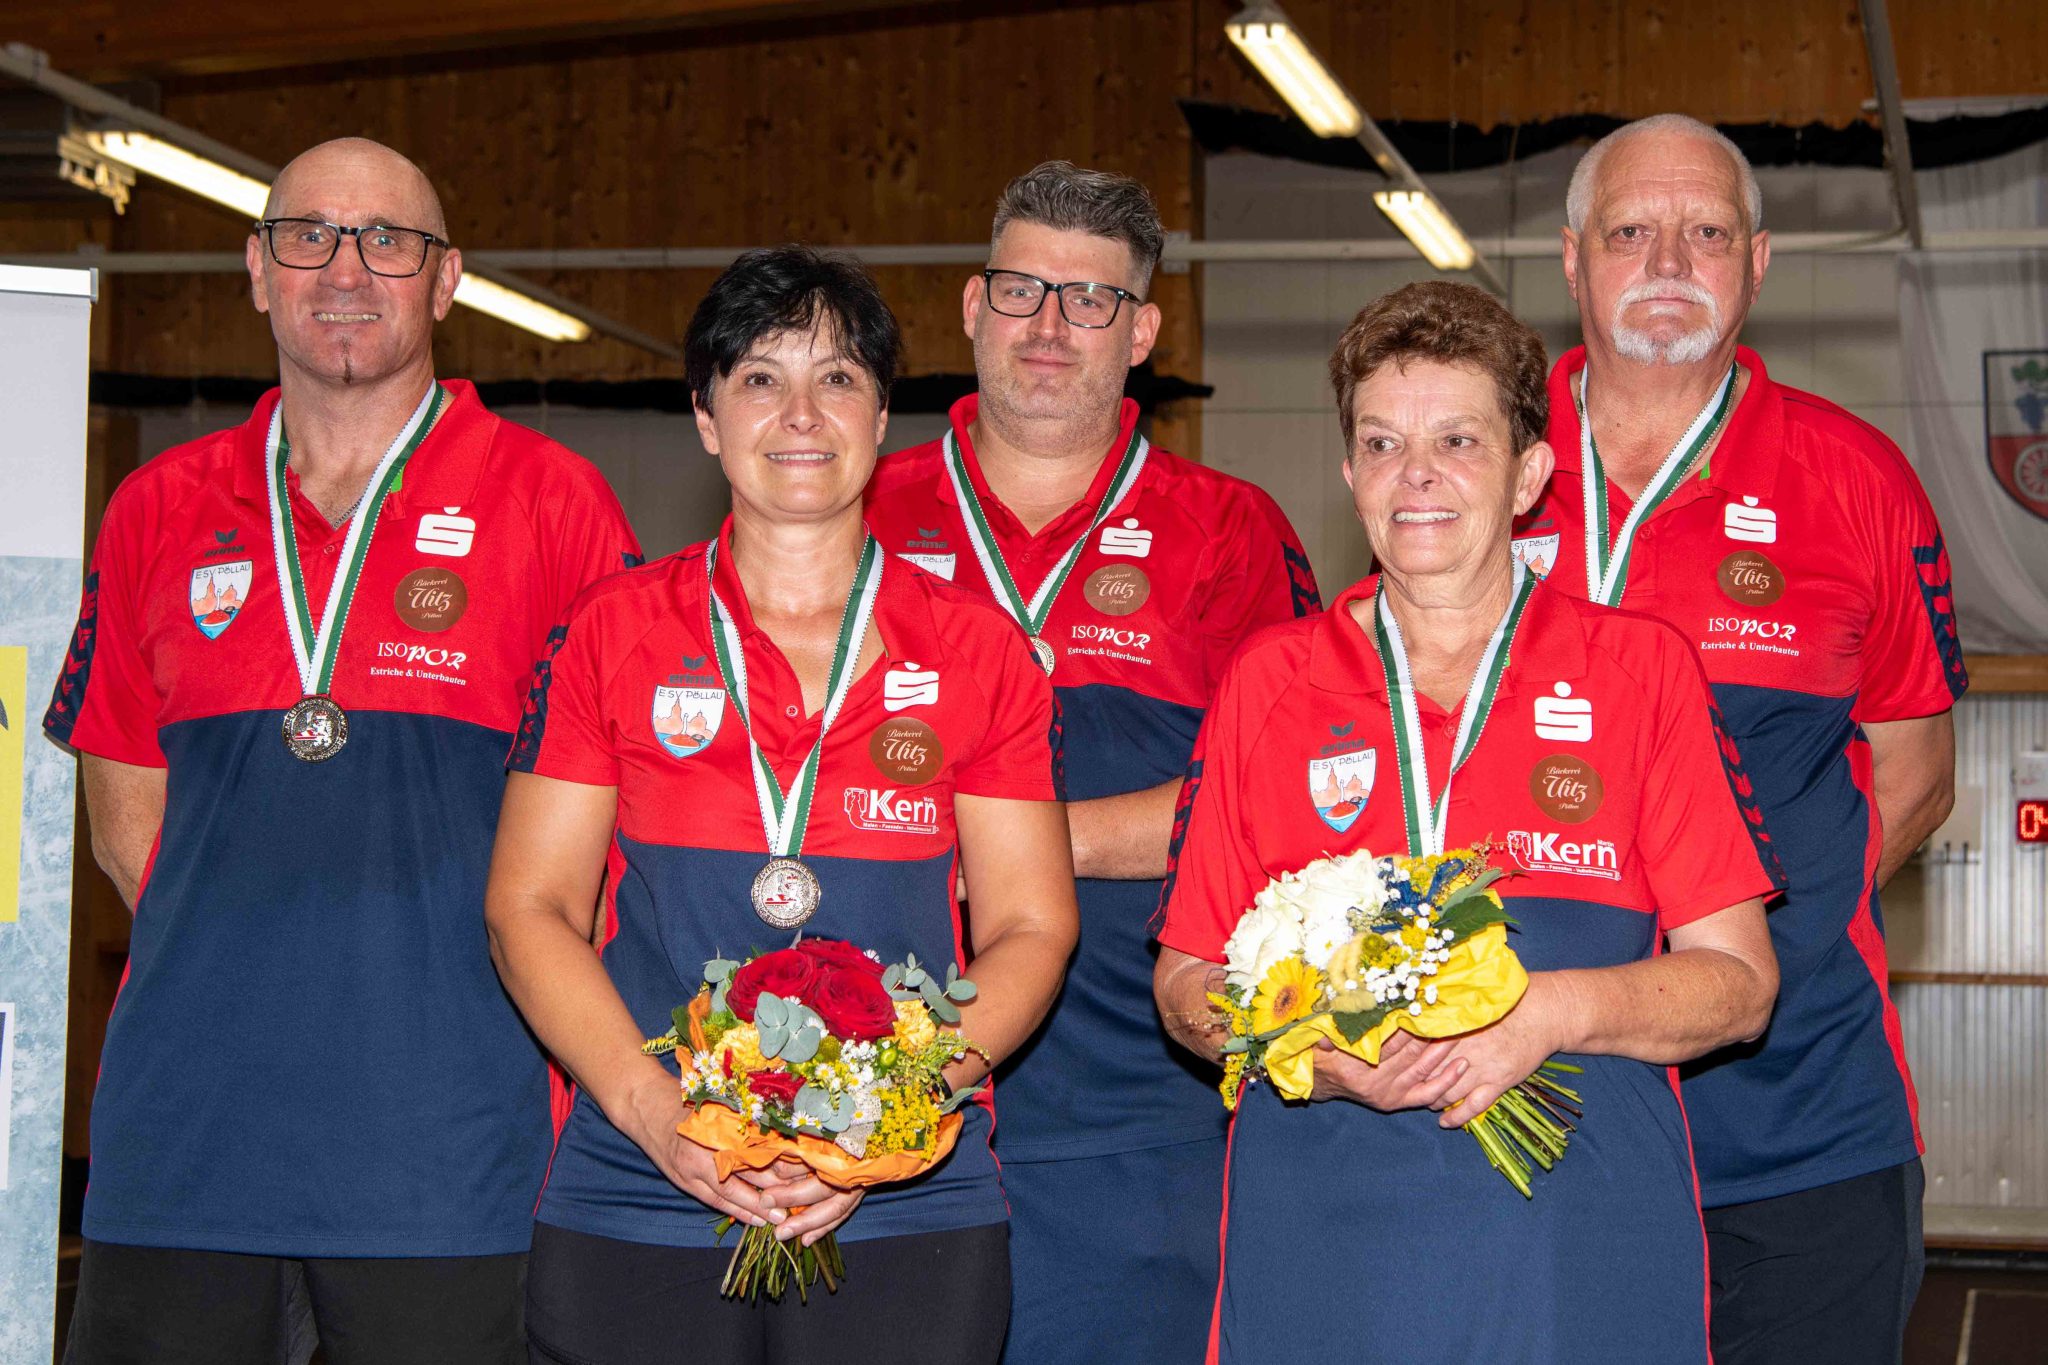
column 944, row 1010
column 772, row 1011
column 962, row 990
column 802, row 1044
column 892, row 977
column 720, row 969
column 960, row 1097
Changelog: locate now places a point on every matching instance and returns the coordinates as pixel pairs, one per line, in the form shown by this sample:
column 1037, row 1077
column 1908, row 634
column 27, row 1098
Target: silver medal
column 786, row 893
column 1044, row 652
column 315, row 729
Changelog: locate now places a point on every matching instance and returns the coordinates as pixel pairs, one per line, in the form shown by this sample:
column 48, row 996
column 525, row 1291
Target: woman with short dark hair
column 907, row 729
column 1447, row 701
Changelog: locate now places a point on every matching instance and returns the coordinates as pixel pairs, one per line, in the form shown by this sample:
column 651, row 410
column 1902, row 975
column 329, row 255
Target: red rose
column 784, row 972
column 830, row 952
column 775, row 1087
column 853, row 1005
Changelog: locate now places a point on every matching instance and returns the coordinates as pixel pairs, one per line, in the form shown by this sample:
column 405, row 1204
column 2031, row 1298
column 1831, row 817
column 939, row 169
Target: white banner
column 44, row 318
column 1974, row 326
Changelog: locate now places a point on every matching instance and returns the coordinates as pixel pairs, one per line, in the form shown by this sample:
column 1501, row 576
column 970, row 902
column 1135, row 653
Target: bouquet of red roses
column 818, row 1053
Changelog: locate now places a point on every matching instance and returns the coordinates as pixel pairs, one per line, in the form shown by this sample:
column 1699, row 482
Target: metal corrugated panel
column 1980, row 1053
column 1980, row 1061
column 1990, row 914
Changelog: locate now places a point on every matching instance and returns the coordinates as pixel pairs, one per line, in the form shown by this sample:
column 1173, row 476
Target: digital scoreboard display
column 2033, row 821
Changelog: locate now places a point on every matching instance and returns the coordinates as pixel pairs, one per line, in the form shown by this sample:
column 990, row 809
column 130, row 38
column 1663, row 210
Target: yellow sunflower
column 1289, row 992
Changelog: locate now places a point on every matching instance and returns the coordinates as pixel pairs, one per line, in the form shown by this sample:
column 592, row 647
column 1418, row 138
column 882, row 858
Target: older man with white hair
column 1793, row 546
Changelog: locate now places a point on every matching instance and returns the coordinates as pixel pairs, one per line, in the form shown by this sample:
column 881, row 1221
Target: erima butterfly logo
column 226, row 537
column 1339, row 731
column 929, row 532
column 445, row 533
column 695, row 664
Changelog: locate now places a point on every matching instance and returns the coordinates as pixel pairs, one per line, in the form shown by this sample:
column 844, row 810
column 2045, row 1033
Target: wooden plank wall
column 901, row 127
column 850, row 134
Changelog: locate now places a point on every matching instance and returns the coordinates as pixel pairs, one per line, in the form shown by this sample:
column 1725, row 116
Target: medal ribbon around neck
column 784, row 816
column 1031, row 615
column 1607, row 562
column 314, row 649
column 1427, row 820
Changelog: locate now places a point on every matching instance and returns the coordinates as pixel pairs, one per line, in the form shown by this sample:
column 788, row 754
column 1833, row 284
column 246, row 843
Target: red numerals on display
column 2033, row 822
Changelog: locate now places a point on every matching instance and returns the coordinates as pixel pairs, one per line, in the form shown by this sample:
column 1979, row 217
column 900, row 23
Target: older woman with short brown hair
column 1356, row 1227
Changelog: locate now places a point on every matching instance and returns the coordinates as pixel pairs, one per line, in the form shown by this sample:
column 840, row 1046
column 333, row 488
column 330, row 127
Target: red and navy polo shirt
column 1188, row 564
column 311, row 1054
column 1611, row 800
column 1806, row 567
column 630, row 696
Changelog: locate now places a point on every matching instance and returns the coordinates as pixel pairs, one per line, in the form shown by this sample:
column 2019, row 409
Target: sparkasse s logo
column 909, row 684
column 445, row 533
column 1747, row 521
column 1127, row 539
column 1564, row 716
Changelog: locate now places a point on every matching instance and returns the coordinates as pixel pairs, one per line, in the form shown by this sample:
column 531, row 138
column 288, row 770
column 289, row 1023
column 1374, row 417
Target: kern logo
column 1747, row 521
column 882, row 810
column 1564, row 716
column 909, row 684
column 445, row 533
column 1548, row 852
column 1126, row 540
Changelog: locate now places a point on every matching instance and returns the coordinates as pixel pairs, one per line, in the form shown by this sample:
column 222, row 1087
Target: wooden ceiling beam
column 106, row 40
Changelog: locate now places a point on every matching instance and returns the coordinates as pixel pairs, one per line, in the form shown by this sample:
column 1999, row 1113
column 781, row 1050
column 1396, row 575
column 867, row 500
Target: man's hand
column 1408, row 1075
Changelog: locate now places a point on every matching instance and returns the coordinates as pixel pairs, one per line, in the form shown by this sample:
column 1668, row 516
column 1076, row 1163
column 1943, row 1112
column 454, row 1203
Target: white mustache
column 1644, row 290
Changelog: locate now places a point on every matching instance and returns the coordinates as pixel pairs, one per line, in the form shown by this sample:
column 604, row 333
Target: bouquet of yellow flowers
column 1350, row 949
column 821, row 1054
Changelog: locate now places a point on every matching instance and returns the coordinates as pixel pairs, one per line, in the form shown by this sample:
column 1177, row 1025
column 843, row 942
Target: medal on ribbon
column 1427, row 820
column 1031, row 614
column 786, row 892
column 1607, row 561
column 315, row 727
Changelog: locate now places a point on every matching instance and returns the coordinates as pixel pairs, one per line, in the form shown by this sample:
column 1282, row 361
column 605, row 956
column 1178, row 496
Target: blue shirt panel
column 676, row 909
column 1605, row 1265
column 303, row 903
column 1101, row 1075
column 1794, row 1110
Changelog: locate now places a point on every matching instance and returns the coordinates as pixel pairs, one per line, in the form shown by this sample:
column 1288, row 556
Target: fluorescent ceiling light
column 166, row 161
column 1423, row 222
column 509, row 305
column 1270, row 43
column 247, row 196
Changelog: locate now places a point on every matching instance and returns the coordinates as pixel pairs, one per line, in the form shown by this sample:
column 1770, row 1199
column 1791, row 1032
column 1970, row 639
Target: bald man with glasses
column 304, row 646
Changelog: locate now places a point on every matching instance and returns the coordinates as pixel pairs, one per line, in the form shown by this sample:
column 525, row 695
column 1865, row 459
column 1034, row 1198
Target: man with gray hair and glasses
column 303, row 652
column 1135, row 574
column 1792, row 544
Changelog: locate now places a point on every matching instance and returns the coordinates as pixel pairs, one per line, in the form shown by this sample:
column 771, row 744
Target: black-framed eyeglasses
column 309, row 244
column 1084, row 303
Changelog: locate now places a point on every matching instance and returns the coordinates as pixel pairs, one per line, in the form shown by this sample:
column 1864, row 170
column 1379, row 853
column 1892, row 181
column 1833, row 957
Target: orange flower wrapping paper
column 738, row 1144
